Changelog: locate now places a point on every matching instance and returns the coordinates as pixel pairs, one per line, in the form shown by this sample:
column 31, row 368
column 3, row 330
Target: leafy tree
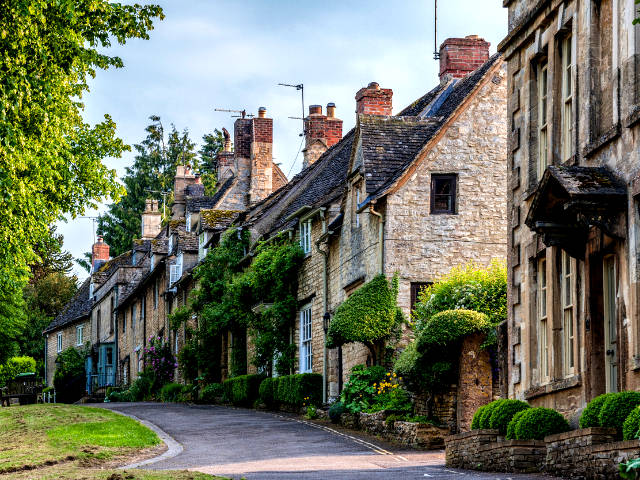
column 50, row 159
column 212, row 144
column 69, row 377
column 51, row 257
column 84, row 261
column 153, row 171
column 637, row 19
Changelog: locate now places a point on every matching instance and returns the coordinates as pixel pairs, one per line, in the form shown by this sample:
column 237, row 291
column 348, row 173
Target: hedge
column 475, row 423
column 590, row 415
column 537, row 423
column 631, row 425
column 292, row 390
column 504, row 412
column 242, row 390
column 15, row 366
column 485, row 417
column 511, row 428
column 616, row 408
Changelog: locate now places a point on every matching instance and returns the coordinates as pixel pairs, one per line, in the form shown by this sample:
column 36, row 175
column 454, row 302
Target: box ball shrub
column 537, row 423
column 475, row 422
column 591, row 413
column 617, row 408
column 485, row 418
column 335, row 412
column 504, row 412
column 631, row 425
column 511, row 428
column 242, row 390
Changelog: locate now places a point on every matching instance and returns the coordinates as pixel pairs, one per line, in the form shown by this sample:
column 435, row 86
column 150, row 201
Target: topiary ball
column 590, row 415
column 631, row 425
column 617, row 408
column 537, row 423
column 486, row 414
column 475, row 423
column 504, row 412
column 511, row 428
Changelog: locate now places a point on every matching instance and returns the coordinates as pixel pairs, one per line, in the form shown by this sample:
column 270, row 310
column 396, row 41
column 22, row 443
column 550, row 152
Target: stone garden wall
column 585, row 454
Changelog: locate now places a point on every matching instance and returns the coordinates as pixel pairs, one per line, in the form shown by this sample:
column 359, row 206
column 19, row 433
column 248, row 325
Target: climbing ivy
column 369, row 316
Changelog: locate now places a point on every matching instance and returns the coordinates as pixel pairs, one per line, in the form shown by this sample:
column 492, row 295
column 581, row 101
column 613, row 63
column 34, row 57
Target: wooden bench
column 25, row 389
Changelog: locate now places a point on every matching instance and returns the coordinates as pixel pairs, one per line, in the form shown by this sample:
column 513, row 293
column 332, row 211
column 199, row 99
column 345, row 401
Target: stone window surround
column 453, row 178
column 79, row 335
column 59, row 342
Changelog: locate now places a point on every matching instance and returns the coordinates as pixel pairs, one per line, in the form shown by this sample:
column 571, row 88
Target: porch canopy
column 571, row 199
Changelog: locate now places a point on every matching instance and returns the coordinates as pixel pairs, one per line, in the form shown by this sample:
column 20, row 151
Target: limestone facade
column 574, row 161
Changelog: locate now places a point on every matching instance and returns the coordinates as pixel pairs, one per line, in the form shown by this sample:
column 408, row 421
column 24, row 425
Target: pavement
column 256, row 445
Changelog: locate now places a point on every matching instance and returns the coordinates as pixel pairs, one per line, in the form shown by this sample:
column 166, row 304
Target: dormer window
column 305, row 236
column 188, row 222
column 175, row 271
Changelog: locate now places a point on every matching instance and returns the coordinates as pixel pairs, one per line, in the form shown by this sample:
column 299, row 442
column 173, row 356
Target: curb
column 173, row 447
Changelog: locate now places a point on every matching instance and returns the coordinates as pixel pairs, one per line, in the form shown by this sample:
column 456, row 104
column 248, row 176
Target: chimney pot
column 262, row 112
column 331, row 110
column 374, row 86
column 315, row 109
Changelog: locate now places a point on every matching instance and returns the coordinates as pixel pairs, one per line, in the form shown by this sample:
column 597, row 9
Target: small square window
column 443, row 194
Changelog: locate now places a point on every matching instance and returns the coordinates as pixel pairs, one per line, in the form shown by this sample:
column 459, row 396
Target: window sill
column 554, row 386
column 606, row 138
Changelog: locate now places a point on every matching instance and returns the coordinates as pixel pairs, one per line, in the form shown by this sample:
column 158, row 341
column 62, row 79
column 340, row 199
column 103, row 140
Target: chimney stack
column 461, row 56
column 373, row 100
column 99, row 254
column 151, row 223
column 321, row 132
column 183, row 179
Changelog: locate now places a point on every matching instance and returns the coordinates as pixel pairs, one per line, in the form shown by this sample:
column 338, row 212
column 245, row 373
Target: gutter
column 297, row 213
column 380, row 234
column 325, row 298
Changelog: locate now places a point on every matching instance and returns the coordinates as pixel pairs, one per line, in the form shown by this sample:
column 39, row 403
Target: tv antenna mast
column 300, row 87
column 93, row 222
column 436, row 52
column 164, row 199
column 241, row 113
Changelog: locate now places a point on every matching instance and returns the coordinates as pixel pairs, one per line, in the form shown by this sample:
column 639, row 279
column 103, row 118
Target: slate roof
column 77, row 308
column 109, row 268
column 195, row 204
column 588, row 181
column 213, row 219
column 402, row 140
column 188, row 241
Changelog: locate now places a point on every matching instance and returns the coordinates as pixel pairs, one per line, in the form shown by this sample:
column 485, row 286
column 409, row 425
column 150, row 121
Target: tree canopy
column 50, row 159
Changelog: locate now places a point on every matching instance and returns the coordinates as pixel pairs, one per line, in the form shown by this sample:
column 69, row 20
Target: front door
column 610, row 294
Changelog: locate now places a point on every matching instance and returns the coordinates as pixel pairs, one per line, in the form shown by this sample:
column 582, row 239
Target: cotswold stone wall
column 587, row 454
column 68, row 340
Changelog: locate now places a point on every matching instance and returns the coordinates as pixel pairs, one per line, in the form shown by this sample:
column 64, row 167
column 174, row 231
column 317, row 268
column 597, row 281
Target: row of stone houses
column 574, row 191
column 414, row 193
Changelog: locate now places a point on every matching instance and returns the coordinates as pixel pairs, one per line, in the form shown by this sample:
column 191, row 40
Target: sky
column 209, row 54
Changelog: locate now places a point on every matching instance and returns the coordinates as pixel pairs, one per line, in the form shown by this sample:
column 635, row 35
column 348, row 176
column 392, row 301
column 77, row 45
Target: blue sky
column 232, row 54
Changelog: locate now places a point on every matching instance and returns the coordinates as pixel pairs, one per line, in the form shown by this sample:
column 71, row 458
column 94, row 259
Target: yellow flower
column 388, row 374
column 394, row 375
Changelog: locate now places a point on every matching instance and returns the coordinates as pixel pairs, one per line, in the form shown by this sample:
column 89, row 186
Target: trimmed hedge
column 485, row 417
column 537, row 423
column 16, row 366
column 475, row 423
column 617, row 408
column 242, row 390
column 292, row 390
column 511, row 428
column 631, row 425
column 590, row 415
column 504, row 412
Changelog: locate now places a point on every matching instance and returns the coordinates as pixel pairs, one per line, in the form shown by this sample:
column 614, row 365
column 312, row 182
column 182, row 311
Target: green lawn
column 69, row 442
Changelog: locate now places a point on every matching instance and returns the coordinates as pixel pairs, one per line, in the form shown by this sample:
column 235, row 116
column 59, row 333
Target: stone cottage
column 574, row 160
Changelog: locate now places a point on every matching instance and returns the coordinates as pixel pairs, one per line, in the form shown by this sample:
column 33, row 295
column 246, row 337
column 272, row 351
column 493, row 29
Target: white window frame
column 91, row 288
column 543, row 120
column 202, row 241
column 152, row 262
column 187, row 225
column 170, row 245
column 567, row 97
column 79, row 335
column 59, row 342
column 305, row 236
column 543, row 316
column 568, row 328
column 306, row 349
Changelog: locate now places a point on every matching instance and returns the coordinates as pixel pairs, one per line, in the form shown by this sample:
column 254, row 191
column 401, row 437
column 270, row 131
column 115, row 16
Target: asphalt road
column 255, row 445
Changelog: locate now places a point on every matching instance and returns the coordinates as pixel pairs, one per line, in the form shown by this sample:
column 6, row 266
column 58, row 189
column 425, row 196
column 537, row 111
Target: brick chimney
column 185, row 177
column 151, row 220
column 373, row 100
column 321, row 132
column 461, row 56
column 261, row 157
column 99, row 254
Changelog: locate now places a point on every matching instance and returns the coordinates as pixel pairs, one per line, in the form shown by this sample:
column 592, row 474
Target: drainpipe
column 46, row 349
column 380, row 234
column 116, row 351
column 325, row 299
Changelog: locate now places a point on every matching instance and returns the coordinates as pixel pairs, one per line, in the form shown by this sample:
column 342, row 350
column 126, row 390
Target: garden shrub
column 69, row 378
column 390, row 396
column 296, row 390
column 16, row 366
column 616, row 408
column 504, row 412
column 171, row 392
column 485, row 416
column 211, row 393
column 161, row 362
column 369, row 316
column 631, row 425
column 359, row 392
column 537, row 423
column 266, row 392
column 475, row 422
column 513, row 424
column 242, row 390
column 141, row 389
column 120, row 396
column 335, row 412
column 591, row 414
